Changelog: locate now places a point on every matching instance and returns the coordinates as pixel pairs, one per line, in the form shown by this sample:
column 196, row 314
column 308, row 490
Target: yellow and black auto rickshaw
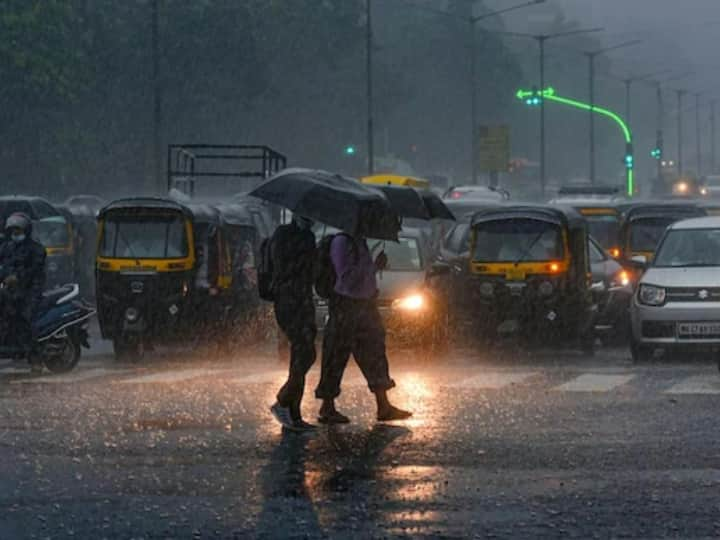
column 56, row 235
column 396, row 180
column 163, row 273
column 643, row 223
column 530, row 272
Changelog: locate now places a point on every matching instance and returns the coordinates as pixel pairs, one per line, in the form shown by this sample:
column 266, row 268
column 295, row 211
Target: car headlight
column 131, row 314
column 412, row 302
column 621, row 279
column 703, row 191
column 651, row 295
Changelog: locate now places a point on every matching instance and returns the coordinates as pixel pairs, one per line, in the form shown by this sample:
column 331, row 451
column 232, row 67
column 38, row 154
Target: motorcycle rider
column 22, row 274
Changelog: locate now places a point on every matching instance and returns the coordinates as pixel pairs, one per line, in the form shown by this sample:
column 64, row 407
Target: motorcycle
column 59, row 329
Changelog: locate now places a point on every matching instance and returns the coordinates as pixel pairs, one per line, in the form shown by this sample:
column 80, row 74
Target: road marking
column 594, row 382
column 167, row 377
column 68, row 378
column 264, row 377
column 14, row 370
column 494, row 379
column 699, row 384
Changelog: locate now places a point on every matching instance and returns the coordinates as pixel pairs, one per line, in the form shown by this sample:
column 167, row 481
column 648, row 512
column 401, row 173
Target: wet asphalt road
column 502, row 445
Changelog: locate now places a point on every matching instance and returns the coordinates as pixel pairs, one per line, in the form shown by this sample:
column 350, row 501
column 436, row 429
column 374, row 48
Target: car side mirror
column 639, row 262
column 439, row 269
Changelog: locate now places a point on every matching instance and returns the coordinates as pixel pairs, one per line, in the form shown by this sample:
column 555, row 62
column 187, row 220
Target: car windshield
column 403, row 256
column 144, row 237
column 52, row 232
column 515, row 240
column 646, row 233
column 689, row 247
column 604, row 229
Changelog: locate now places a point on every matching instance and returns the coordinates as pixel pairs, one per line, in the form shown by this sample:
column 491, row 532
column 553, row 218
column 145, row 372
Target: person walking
column 292, row 250
column 22, row 273
column 355, row 327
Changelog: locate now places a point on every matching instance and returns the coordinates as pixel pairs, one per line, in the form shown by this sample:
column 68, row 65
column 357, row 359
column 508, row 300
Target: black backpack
column 265, row 272
column 324, row 273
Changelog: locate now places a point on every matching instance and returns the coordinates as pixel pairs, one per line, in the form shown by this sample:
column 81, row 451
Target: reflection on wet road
column 541, row 446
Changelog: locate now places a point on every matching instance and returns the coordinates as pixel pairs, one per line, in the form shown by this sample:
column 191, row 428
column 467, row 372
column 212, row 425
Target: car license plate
column 699, row 329
column 515, row 274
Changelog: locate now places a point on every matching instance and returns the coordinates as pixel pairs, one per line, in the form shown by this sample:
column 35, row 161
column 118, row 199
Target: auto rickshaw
column 84, row 228
column 56, row 235
column 163, row 273
column 396, row 180
column 643, row 223
column 530, row 272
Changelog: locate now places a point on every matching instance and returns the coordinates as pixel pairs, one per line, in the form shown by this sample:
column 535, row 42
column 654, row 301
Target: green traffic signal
column 350, row 150
column 656, row 153
column 629, row 161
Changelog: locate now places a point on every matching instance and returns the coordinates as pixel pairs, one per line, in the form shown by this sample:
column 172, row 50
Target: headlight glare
column 131, row 314
column 412, row 302
column 651, row 295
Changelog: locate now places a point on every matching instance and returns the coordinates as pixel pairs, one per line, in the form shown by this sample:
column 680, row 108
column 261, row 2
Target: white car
column 677, row 302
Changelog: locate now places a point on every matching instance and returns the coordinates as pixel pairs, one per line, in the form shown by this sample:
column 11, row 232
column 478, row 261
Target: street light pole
column 591, row 62
column 369, row 89
column 591, row 83
column 712, row 137
column 698, row 142
column 157, row 100
column 541, row 42
column 680, row 94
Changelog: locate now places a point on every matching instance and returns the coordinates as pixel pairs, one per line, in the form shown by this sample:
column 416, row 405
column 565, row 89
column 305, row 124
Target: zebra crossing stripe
column 68, row 378
column 168, row 377
column 492, row 380
column 263, row 377
column 594, row 382
column 699, row 384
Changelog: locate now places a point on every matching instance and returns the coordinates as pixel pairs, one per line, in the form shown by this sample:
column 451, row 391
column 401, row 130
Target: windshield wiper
column 530, row 246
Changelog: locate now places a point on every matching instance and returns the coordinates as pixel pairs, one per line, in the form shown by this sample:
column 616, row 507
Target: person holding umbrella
column 292, row 250
column 355, row 327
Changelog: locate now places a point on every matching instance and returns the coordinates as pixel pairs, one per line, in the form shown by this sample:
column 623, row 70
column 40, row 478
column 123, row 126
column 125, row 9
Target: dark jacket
column 293, row 260
column 26, row 261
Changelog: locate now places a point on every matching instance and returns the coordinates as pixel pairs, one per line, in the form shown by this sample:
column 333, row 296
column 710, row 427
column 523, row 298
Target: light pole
column 591, row 84
column 697, row 136
column 680, row 94
column 712, row 137
column 473, row 75
column 369, row 87
column 157, row 99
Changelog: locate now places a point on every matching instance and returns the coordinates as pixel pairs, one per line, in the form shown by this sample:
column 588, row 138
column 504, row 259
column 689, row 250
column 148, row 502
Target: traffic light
column 656, row 153
column 629, row 160
column 534, row 99
column 349, row 150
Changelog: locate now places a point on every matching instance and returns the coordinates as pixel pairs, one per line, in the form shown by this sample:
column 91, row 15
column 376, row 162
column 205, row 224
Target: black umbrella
column 332, row 199
column 415, row 203
column 405, row 201
column 435, row 205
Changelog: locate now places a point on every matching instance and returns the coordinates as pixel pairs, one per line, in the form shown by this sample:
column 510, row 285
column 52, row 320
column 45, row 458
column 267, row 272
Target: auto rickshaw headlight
column 131, row 314
column 546, row 288
column 412, row 302
column 487, row 289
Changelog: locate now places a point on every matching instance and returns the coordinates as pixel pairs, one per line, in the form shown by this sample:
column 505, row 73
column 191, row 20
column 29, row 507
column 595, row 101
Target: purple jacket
column 354, row 267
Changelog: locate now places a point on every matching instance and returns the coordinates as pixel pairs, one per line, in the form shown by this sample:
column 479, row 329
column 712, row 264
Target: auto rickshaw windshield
column 517, row 240
column 52, row 232
column 404, row 255
column 646, row 233
column 144, row 237
column 605, row 229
